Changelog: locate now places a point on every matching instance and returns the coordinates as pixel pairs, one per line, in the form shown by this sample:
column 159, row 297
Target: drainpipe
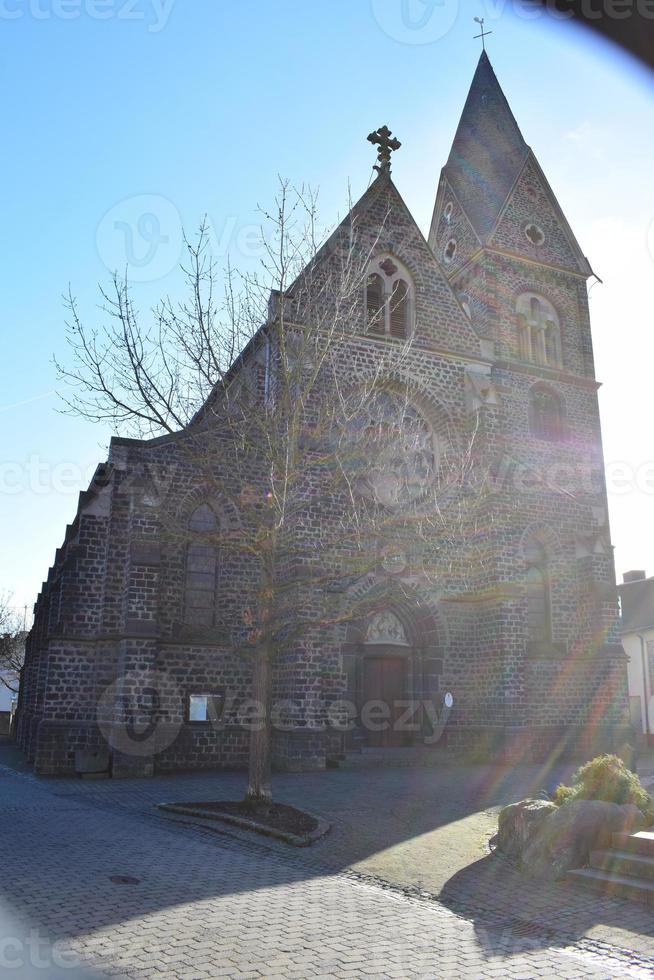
column 646, row 695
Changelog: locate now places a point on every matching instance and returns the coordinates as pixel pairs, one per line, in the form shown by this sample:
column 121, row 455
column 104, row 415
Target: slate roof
column 488, row 151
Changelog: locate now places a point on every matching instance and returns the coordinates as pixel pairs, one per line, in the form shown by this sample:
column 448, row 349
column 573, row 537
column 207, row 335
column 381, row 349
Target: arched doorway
column 392, row 660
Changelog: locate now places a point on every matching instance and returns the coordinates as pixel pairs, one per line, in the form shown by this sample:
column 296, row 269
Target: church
column 514, row 657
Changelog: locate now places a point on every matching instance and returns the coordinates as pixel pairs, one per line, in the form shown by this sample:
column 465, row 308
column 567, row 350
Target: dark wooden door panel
column 383, row 680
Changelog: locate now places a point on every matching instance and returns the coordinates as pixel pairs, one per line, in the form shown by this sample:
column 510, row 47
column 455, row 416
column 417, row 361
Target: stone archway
column 392, row 659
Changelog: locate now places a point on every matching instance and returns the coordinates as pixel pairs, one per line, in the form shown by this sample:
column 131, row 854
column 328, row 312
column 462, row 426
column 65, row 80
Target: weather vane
column 480, row 21
column 387, row 143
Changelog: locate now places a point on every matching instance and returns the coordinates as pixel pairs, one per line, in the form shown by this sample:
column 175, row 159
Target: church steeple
column 492, row 180
column 488, row 151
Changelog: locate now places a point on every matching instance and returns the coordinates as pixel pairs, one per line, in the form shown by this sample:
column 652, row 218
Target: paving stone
column 212, row 905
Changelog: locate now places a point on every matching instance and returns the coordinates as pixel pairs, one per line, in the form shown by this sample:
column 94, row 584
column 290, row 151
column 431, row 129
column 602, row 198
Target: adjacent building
column 637, row 607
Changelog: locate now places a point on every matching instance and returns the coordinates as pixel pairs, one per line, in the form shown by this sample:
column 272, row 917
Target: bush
column 606, row 778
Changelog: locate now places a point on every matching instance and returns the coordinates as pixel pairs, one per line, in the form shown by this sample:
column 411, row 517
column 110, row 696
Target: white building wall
column 639, row 679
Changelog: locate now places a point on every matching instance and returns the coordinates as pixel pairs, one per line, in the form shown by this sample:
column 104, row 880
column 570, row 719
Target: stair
column 388, row 758
column 625, row 870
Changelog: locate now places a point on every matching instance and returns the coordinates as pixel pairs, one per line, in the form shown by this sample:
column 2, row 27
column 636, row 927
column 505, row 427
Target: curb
column 296, row 840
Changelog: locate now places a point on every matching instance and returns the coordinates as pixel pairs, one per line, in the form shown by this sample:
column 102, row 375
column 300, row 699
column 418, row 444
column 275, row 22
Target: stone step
column 614, row 885
column 372, row 758
column 641, row 842
column 623, row 863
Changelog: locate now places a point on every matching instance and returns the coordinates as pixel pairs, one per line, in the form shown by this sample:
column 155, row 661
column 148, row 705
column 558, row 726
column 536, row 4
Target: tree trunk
column 259, row 784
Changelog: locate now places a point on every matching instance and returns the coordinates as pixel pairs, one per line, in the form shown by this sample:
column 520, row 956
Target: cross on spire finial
column 387, row 143
column 484, row 34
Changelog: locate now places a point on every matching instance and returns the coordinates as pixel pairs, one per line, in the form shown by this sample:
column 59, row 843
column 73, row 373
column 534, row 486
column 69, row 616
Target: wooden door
column 383, row 680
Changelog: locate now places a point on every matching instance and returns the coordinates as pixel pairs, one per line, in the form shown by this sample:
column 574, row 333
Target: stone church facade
column 496, row 305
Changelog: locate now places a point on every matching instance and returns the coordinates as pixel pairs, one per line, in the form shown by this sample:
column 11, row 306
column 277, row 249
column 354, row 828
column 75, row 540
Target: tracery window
column 539, row 332
column 201, row 568
column 534, row 233
column 392, row 452
column 389, row 299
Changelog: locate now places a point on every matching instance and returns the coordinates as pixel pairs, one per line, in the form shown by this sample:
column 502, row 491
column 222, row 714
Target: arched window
column 539, row 333
column 537, row 592
column 201, row 568
column 545, row 414
column 389, row 306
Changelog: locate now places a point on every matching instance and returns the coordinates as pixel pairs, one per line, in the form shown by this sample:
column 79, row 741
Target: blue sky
column 113, row 108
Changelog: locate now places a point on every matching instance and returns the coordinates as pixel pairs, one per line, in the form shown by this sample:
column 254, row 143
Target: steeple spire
column 494, row 183
column 488, row 151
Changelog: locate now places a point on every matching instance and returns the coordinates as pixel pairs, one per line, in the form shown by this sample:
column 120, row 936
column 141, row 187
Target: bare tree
column 12, row 645
column 261, row 391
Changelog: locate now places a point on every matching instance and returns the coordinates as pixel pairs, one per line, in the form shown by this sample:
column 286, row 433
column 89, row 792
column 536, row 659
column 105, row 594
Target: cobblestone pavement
column 209, row 903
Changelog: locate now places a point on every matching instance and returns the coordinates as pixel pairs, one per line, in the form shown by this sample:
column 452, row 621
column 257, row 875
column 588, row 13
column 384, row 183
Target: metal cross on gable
column 484, row 34
column 387, row 143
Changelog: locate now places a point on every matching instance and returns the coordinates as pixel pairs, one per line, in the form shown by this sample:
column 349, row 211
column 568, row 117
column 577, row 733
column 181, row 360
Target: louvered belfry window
column 375, row 303
column 399, row 309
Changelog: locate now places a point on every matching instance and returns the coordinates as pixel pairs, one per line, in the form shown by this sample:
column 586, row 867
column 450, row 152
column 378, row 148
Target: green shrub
column 606, row 778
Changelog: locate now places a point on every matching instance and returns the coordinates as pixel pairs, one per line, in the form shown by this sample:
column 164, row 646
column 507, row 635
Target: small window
column 545, row 415
column 450, row 251
column 537, row 592
column 205, row 708
column 535, row 234
column 449, row 207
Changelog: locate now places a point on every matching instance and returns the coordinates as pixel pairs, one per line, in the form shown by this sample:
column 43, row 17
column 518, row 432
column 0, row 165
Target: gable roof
column 394, row 229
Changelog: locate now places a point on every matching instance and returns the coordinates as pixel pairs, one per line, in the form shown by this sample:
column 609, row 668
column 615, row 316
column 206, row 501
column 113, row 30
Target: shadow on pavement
column 419, row 829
